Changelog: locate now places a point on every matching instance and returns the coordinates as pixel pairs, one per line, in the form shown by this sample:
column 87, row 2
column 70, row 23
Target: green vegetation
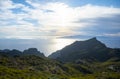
column 34, row 67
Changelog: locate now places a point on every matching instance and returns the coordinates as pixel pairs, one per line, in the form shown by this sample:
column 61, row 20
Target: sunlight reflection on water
column 47, row 46
column 58, row 44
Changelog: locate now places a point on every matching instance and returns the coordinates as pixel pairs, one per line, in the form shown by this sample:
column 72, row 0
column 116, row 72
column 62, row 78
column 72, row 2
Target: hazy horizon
column 49, row 25
column 48, row 46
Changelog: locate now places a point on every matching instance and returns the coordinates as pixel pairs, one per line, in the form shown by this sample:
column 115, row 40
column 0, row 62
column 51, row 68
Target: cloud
column 51, row 19
column 113, row 35
column 101, row 25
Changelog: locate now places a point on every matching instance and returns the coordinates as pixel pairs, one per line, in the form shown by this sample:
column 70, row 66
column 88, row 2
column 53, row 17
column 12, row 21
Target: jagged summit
column 94, row 39
column 33, row 51
column 87, row 44
column 15, row 52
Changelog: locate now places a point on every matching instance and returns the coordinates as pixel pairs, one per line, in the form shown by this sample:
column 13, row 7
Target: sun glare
column 60, row 43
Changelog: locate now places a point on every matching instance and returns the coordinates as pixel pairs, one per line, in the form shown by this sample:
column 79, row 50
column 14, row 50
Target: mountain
column 33, row 51
column 14, row 52
column 91, row 50
column 8, row 52
column 88, row 59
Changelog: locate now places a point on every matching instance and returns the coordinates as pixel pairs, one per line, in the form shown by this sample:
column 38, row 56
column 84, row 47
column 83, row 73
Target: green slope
column 34, row 67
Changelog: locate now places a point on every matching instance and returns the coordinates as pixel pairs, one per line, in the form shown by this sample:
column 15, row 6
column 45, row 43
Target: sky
column 23, row 21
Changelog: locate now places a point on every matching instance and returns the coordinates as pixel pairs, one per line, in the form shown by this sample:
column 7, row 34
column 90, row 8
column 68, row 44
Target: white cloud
column 113, row 34
column 54, row 19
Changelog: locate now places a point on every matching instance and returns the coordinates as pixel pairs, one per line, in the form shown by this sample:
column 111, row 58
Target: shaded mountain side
column 33, row 51
column 14, row 52
column 90, row 50
column 55, row 55
column 8, row 52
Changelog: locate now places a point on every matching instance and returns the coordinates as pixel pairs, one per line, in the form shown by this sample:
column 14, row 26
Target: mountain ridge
column 15, row 52
column 88, row 49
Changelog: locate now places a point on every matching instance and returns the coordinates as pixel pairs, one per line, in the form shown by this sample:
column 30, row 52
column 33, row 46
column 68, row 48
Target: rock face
column 89, row 50
column 33, row 51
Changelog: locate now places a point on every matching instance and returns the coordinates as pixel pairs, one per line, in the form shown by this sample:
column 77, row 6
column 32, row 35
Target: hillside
column 35, row 67
column 88, row 59
column 90, row 50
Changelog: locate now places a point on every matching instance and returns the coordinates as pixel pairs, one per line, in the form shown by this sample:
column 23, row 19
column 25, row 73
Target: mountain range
column 14, row 52
column 89, row 59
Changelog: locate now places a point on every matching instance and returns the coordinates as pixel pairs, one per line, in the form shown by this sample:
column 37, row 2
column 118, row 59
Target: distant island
column 89, row 59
